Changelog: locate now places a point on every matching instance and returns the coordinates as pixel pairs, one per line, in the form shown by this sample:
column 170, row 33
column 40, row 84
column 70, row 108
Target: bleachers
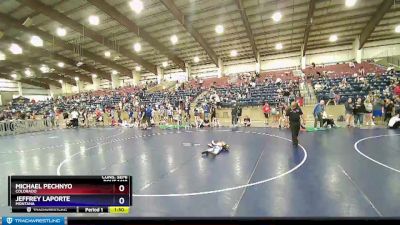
column 341, row 69
column 357, row 89
column 256, row 95
column 282, row 74
column 171, row 97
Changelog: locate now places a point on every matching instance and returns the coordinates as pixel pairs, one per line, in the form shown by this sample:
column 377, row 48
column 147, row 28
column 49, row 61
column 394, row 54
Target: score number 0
column 121, row 200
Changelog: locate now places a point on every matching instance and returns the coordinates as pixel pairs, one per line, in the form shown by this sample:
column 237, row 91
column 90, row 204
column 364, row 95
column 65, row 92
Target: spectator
column 266, row 110
column 396, row 90
column 74, row 118
column 246, row 121
column 332, row 97
column 328, row 121
column 368, row 112
column 318, row 111
column 388, row 109
column 283, row 120
column 349, row 107
column 358, row 112
column 275, row 114
column 239, row 114
column 318, row 87
column 234, row 114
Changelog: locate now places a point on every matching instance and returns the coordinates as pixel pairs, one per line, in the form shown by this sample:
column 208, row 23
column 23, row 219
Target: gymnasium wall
column 280, row 61
column 330, row 55
column 9, row 90
column 8, row 86
column 375, row 50
column 239, row 66
column 204, row 71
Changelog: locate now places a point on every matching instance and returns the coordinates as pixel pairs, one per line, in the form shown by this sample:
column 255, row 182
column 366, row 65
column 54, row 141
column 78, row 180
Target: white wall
column 148, row 77
column 175, row 75
column 239, row 66
column 105, row 84
column 204, row 71
column 8, row 85
column 280, row 61
column 12, row 86
column 381, row 49
column 330, row 55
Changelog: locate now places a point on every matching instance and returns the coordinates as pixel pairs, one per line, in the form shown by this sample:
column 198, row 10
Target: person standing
column 349, row 107
column 295, row 115
column 239, row 115
column 318, row 111
column 358, row 112
column 388, row 109
column 75, row 116
column 332, row 97
column 377, row 106
column 266, row 110
column 368, row 112
column 234, row 114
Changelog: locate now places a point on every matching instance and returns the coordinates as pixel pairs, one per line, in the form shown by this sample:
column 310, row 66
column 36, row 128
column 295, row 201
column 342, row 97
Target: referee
column 295, row 115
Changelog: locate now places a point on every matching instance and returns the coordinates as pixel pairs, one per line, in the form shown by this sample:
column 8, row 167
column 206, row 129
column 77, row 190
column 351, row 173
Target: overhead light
column 61, row 81
column 277, row 16
column 350, row 3
column 2, row 56
column 60, row 64
column 196, row 59
column 138, row 68
column 94, row 75
column 137, row 47
column 36, row 41
column 165, row 64
column 278, row 46
column 15, row 49
column 76, row 78
column 333, row 38
column 397, row 30
column 136, row 5
column 219, row 29
column 44, row 69
column 14, row 76
column 234, row 53
column 28, row 72
column 94, row 20
column 61, row 32
column 114, row 72
column 107, row 54
column 174, row 39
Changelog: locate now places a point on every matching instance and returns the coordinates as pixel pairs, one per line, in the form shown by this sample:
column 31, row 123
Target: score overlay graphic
column 70, row 194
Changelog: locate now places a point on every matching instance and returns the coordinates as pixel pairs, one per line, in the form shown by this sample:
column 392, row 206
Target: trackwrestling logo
column 33, row 220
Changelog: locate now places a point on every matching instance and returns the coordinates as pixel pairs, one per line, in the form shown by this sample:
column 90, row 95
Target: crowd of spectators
column 367, row 97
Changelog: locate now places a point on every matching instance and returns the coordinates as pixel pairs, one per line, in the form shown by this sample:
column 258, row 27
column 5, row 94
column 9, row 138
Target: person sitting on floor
column 246, row 121
column 326, row 121
column 216, row 147
column 206, row 123
column 394, row 122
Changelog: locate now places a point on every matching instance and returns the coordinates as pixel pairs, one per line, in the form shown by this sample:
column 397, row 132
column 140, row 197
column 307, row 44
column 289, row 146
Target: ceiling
column 248, row 27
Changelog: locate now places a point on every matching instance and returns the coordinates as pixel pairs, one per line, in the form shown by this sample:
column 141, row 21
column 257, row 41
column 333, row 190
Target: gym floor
column 334, row 173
